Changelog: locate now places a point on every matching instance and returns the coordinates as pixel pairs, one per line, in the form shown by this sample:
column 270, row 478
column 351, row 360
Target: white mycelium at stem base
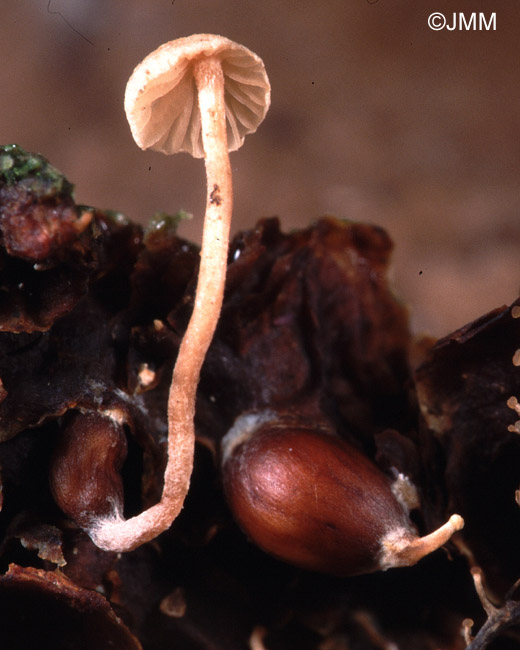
column 115, row 533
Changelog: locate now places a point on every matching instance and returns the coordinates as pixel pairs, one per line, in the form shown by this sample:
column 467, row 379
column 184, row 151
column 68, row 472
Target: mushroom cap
column 161, row 96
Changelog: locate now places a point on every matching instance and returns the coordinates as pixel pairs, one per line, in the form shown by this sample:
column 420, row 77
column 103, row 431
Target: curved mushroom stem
column 405, row 549
column 117, row 534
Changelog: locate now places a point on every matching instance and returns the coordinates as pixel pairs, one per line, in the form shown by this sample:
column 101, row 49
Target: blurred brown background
column 374, row 117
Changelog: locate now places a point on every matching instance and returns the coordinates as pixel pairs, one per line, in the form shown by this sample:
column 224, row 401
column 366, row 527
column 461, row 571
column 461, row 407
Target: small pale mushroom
column 201, row 95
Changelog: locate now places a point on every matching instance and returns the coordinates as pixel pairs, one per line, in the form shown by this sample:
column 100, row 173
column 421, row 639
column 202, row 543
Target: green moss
column 167, row 223
column 19, row 166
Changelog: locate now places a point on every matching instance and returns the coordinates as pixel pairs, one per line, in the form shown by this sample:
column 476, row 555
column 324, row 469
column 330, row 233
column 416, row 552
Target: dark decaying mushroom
column 43, row 609
column 92, row 313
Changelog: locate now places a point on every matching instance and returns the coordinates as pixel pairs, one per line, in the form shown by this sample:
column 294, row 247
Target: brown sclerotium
column 312, row 499
column 84, row 472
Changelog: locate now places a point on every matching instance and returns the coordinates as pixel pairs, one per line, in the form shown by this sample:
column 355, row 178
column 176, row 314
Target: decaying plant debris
column 92, row 311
